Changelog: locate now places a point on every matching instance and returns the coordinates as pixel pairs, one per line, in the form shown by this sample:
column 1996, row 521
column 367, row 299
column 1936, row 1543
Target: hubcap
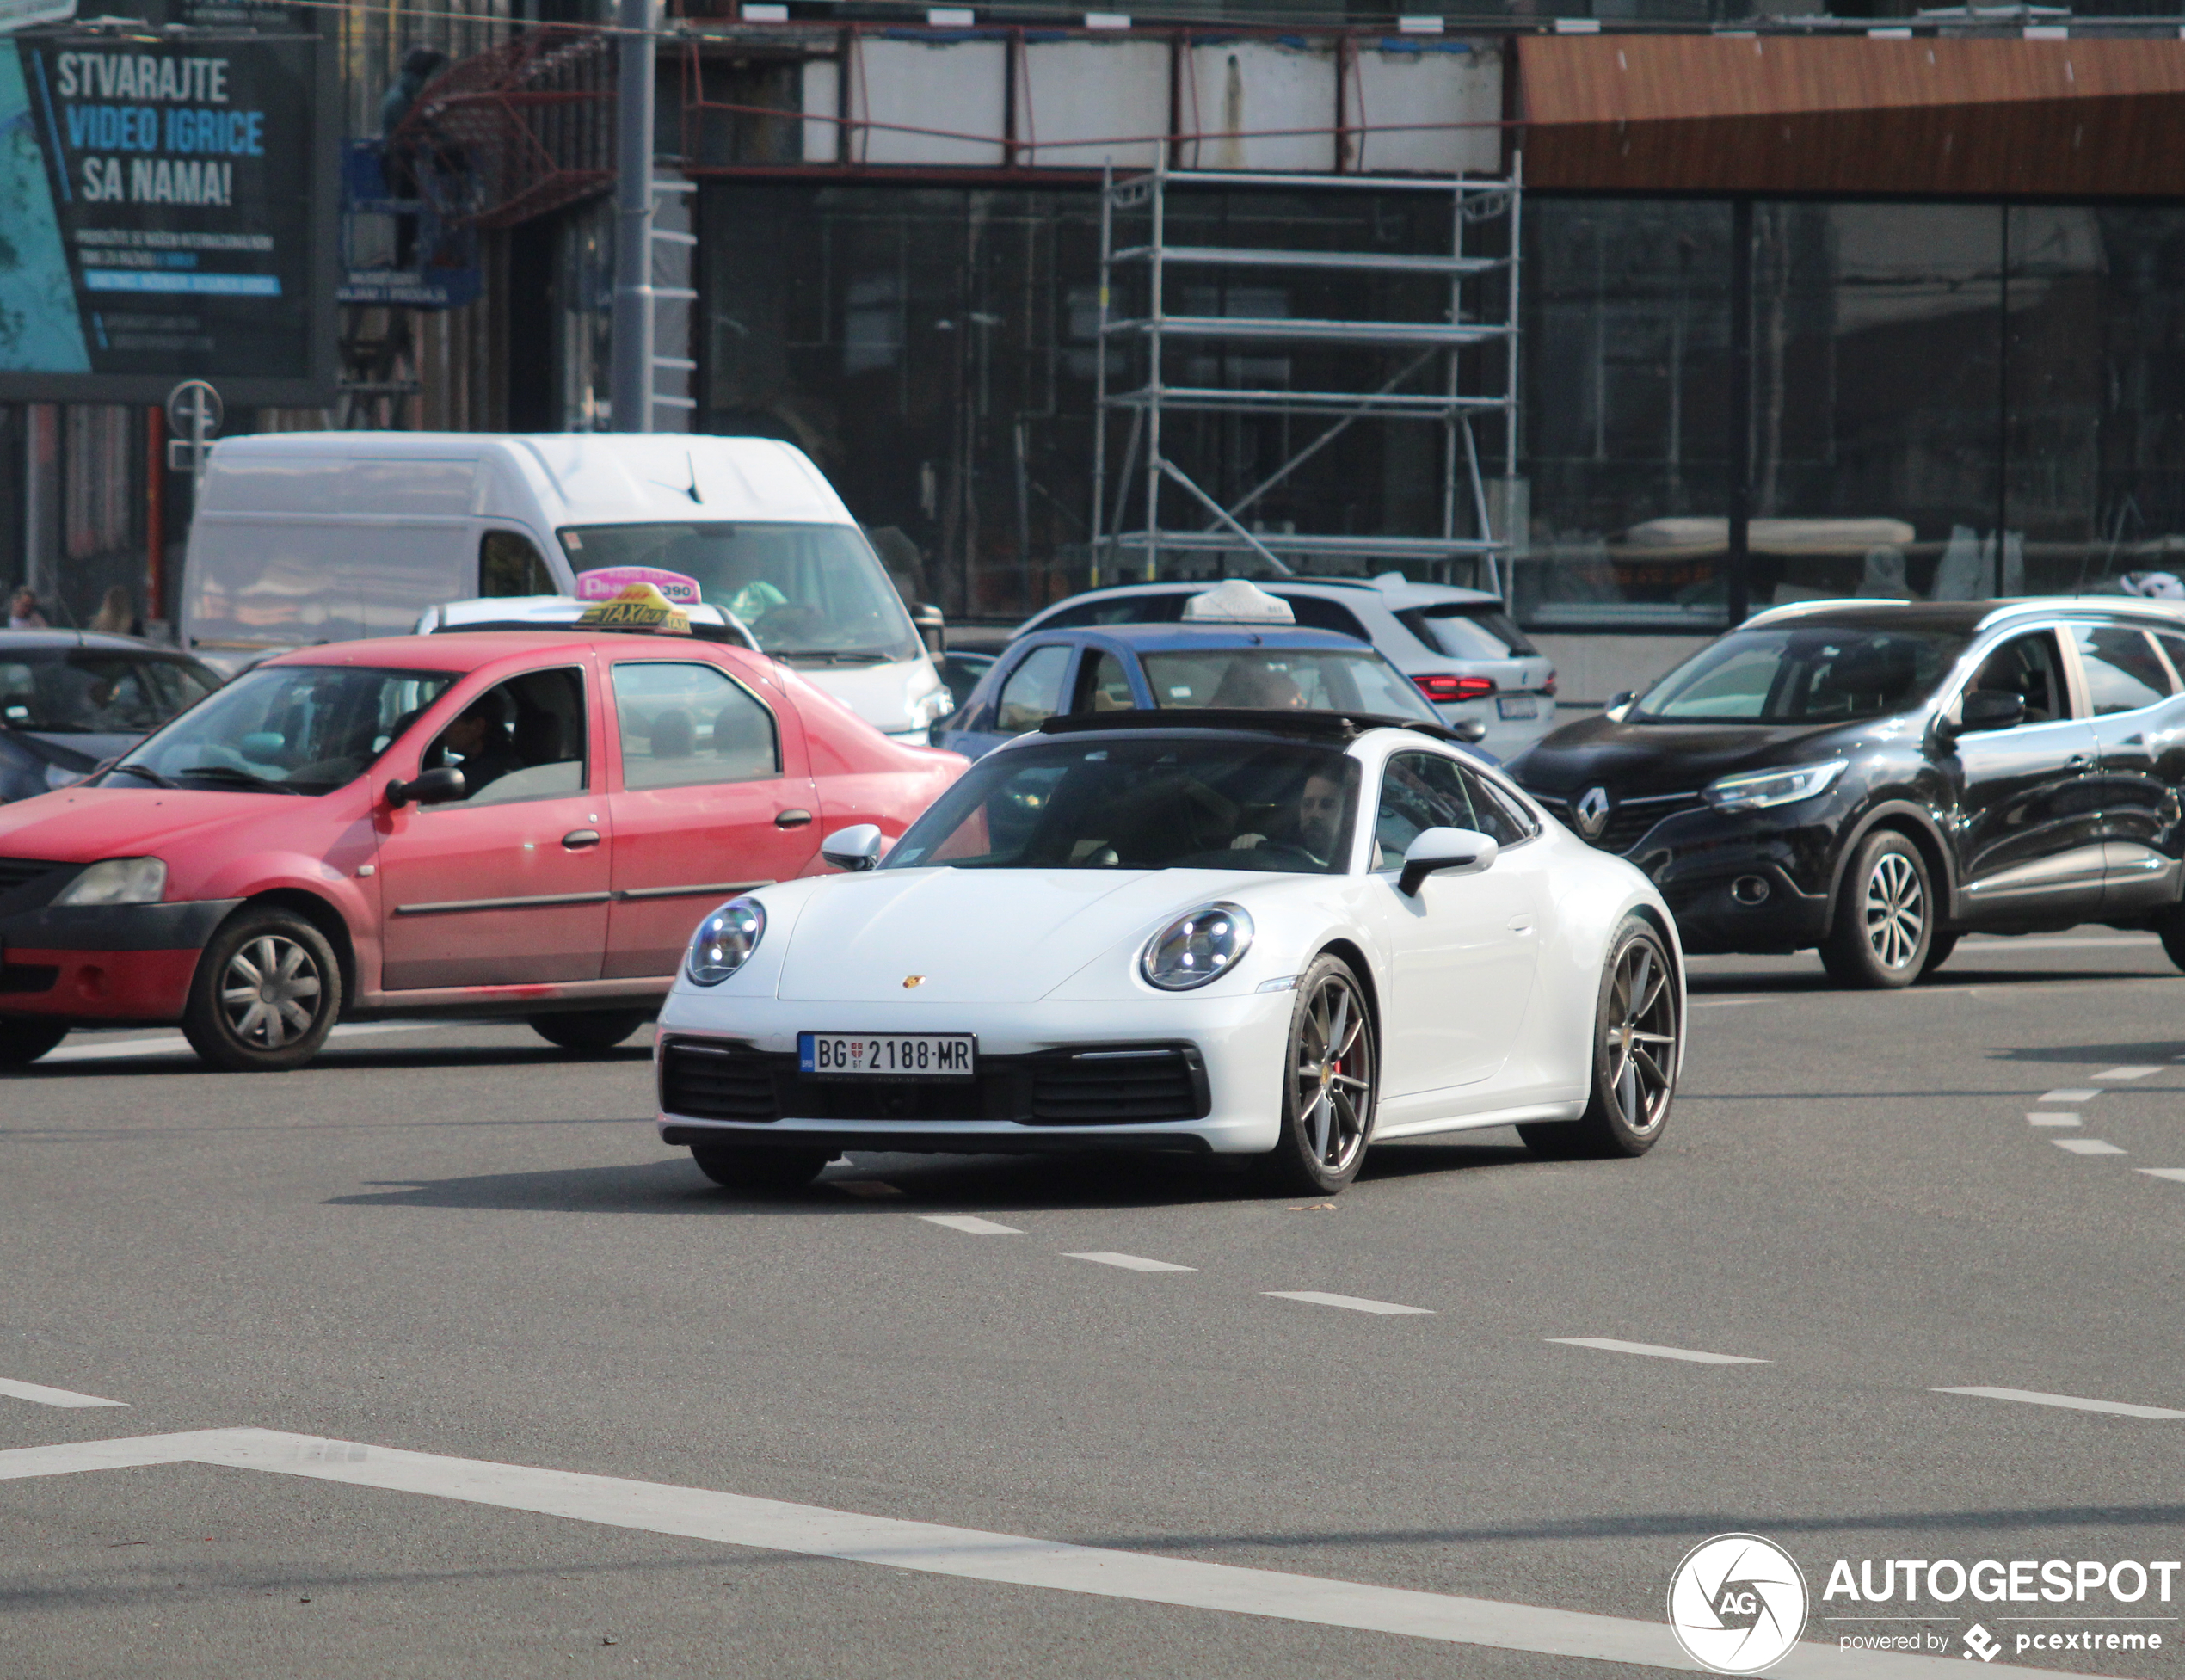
column 1641, row 1038
column 1896, row 910
column 1333, row 1076
column 270, row 993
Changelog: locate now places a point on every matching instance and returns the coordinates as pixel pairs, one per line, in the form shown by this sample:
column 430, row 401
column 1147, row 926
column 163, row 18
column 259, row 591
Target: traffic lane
column 1017, row 1299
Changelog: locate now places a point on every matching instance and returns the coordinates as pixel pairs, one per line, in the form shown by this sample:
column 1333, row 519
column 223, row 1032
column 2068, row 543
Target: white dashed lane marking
column 2175, row 1174
column 1129, row 1262
column 2127, row 1072
column 1356, row 1303
column 44, row 1396
column 2072, row 1403
column 973, row 1223
column 1609, row 1344
column 173, row 1043
column 869, row 1189
column 2052, row 1119
column 2086, row 1146
column 2071, row 1095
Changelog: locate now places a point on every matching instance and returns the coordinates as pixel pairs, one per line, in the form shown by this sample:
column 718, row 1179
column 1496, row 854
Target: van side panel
column 268, row 582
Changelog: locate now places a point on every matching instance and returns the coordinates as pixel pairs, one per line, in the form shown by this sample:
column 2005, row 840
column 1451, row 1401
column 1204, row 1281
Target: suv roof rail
column 2168, row 611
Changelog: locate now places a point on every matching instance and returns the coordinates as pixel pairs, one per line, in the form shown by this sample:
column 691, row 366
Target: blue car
column 1180, row 668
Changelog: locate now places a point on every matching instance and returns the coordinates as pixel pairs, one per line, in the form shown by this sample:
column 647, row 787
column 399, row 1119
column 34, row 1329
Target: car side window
column 1422, row 791
column 510, row 565
column 1318, row 613
column 2122, row 671
column 521, row 739
column 1147, row 609
column 683, row 725
column 2174, row 647
column 1105, row 686
column 2026, row 665
column 1033, row 693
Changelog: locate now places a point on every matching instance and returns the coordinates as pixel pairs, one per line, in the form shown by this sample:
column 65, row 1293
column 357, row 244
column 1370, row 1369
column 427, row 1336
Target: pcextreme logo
column 1737, row 1603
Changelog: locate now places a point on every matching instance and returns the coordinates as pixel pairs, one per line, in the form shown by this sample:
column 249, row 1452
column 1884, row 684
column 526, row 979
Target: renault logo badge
column 1592, row 812
column 911, row 981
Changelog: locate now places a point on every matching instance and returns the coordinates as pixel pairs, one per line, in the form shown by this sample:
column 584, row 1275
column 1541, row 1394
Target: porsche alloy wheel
column 267, row 993
column 1329, row 1083
column 1636, row 1055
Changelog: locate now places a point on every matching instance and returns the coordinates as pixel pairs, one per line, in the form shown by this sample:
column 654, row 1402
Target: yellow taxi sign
column 637, row 606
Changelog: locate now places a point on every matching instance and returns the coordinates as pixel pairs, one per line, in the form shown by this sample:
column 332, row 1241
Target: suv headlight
column 725, row 940
column 117, row 880
column 1197, row 948
column 1755, row 789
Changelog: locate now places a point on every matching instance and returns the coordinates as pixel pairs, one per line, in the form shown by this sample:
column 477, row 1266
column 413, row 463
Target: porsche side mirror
column 1444, row 850
column 1991, row 709
column 434, row 787
column 1621, row 698
column 1469, row 730
column 854, row 849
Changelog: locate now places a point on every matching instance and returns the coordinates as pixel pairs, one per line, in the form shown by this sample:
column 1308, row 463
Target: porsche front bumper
column 1201, row 1074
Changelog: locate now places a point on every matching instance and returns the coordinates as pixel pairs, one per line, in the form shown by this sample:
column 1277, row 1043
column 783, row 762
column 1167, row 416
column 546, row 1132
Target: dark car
column 1875, row 778
column 1117, row 667
column 70, row 700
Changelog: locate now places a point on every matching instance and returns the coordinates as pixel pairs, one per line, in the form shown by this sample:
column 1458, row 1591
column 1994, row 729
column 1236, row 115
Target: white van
column 308, row 537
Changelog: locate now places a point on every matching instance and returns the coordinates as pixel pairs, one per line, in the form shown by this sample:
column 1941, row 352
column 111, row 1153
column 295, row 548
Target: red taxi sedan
column 513, row 824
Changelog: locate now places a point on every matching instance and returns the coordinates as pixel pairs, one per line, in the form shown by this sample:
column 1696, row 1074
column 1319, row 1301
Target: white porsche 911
column 1279, row 934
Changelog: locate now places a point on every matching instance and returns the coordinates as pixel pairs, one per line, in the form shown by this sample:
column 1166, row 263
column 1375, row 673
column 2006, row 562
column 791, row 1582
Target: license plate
column 894, row 1056
column 1522, row 705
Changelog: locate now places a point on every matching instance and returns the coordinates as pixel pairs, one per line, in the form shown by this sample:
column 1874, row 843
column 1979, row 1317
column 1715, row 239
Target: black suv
column 1876, row 778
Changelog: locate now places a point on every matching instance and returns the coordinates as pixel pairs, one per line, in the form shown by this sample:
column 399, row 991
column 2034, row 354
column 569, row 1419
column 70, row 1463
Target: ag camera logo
column 1737, row 1603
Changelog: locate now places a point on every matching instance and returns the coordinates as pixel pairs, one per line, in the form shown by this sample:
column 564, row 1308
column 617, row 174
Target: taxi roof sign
column 636, row 606
column 608, row 582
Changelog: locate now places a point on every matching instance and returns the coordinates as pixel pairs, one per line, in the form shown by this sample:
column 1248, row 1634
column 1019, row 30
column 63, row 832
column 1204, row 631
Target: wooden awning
column 1784, row 114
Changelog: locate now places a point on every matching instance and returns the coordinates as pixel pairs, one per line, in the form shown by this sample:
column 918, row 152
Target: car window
column 1033, row 691
column 90, row 691
column 685, row 724
column 2122, row 671
column 1105, row 686
column 521, row 739
column 1145, row 609
column 1318, row 613
column 2026, row 665
column 2175, row 647
column 1464, row 631
column 510, row 565
column 1285, row 680
column 1422, row 791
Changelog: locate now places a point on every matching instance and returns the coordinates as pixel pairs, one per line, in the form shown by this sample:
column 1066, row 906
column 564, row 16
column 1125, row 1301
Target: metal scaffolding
column 1462, row 377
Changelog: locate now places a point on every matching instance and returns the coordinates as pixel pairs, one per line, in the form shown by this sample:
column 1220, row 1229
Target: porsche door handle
column 577, row 839
column 791, row 819
column 2079, row 761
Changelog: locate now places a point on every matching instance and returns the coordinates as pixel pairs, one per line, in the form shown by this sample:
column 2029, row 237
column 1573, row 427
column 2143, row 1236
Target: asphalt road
column 454, row 1241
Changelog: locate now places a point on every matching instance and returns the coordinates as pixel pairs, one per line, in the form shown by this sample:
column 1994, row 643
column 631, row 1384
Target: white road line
column 1727, row 1003
column 869, row 1189
column 973, row 1223
column 2175, row 1174
column 2051, row 1120
column 1129, row 1262
column 44, row 1396
column 173, row 1043
column 1608, row 1343
column 2046, row 943
column 2033, row 1397
column 1356, row 1303
column 2127, row 1072
column 2071, row 1095
column 2086, row 1146
column 927, row 1548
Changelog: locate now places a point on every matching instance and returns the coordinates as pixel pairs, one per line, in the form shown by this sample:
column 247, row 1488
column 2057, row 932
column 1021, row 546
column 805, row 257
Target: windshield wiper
column 828, row 656
column 143, row 770
column 228, row 773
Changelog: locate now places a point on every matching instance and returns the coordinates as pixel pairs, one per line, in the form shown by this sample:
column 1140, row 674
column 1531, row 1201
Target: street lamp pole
column 631, row 384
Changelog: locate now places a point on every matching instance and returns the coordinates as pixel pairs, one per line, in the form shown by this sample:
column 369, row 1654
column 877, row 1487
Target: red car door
column 712, row 795
column 509, row 885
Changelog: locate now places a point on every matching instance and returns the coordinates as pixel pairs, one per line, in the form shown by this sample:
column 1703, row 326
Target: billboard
column 166, row 213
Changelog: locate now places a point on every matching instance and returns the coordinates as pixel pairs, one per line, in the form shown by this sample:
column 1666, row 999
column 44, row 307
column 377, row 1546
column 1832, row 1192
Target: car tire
column 23, row 1040
column 1638, row 1046
column 2170, row 924
column 1330, row 1084
column 739, row 1167
column 1939, row 947
column 592, row 1031
column 267, row 992
column 1884, row 916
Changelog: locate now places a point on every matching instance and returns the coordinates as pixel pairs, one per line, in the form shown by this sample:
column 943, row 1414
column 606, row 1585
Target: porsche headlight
column 1197, row 948
column 1756, row 790
column 725, row 940
column 117, row 880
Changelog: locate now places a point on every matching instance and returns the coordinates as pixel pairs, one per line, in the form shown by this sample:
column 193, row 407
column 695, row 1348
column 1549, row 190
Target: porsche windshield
column 1219, row 804
column 1810, row 673
column 286, row 729
column 811, row 592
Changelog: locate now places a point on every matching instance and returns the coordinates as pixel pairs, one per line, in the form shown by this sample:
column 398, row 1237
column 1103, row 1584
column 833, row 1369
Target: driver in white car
column 1316, row 826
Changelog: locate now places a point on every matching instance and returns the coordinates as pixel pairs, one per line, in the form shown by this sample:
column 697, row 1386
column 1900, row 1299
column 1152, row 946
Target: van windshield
column 807, row 591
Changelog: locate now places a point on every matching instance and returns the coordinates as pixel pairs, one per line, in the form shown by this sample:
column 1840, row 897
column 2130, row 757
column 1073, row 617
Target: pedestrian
column 115, row 616
column 22, row 610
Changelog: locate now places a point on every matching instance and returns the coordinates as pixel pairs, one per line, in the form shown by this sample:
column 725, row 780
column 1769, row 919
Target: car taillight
column 1548, row 687
column 1443, row 689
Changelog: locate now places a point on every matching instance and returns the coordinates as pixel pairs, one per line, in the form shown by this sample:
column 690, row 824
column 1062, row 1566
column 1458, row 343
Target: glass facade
column 1942, row 400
